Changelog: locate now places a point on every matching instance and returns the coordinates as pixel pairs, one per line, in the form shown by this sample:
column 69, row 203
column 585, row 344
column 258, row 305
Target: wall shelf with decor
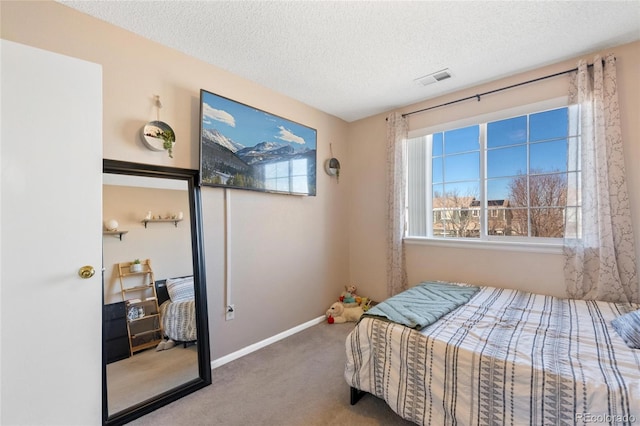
column 111, row 228
column 115, row 233
column 175, row 221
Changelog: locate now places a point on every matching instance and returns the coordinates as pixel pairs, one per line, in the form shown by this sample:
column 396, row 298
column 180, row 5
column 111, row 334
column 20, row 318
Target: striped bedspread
column 507, row 357
column 179, row 320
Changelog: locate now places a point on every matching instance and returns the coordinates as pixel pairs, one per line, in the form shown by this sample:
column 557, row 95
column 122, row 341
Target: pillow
column 628, row 327
column 180, row 289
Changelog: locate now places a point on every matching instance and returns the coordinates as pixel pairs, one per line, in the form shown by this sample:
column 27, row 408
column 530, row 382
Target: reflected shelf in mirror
column 115, row 233
column 175, row 221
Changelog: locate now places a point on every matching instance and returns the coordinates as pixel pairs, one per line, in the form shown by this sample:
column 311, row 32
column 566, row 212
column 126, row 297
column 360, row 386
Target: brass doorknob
column 86, row 271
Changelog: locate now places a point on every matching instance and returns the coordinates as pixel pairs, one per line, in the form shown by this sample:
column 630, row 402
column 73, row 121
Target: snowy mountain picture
column 247, row 148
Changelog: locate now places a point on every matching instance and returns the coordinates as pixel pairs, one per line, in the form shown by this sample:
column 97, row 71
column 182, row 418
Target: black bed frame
column 356, row 395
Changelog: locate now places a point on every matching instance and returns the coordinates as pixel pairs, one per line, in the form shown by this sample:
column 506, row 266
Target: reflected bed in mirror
column 155, row 332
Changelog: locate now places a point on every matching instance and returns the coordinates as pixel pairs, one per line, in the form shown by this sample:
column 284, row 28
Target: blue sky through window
column 535, row 143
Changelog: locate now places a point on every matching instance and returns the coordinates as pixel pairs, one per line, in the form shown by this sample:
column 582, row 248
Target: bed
column 177, row 309
column 499, row 357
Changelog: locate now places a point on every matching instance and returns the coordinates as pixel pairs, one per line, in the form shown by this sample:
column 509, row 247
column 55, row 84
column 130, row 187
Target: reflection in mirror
column 152, row 343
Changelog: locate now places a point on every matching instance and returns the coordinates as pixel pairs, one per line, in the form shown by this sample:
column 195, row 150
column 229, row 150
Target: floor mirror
column 155, row 328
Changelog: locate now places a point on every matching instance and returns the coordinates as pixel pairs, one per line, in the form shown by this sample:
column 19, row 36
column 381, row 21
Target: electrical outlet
column 231, row 312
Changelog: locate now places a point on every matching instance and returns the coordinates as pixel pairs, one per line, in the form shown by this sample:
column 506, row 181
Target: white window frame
column 289, row 176
column 485, row 241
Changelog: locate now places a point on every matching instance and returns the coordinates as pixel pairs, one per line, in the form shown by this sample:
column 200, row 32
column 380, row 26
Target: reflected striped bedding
column 179, row 320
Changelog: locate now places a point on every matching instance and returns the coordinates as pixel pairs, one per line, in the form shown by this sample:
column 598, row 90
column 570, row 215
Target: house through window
column 516, row 178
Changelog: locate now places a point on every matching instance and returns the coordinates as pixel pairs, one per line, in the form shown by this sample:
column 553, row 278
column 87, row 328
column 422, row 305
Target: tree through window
column 511, row 178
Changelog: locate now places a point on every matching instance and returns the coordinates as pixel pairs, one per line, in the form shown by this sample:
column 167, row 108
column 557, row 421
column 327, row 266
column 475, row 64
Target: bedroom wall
column 289, row 255
column 539, row 272
column 167, row 246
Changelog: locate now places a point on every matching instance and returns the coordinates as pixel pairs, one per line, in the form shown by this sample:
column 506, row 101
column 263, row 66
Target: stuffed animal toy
column 338, row 313
column 349, row 297
column 365, row 303
column 350, row 291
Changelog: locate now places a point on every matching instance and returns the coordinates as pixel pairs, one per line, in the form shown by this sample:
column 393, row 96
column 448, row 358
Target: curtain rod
column 479, row 95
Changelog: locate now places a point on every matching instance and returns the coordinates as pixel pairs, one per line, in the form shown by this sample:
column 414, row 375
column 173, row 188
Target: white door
column 50, row 224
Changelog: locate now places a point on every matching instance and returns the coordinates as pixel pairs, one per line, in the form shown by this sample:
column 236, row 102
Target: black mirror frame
column 202, row 324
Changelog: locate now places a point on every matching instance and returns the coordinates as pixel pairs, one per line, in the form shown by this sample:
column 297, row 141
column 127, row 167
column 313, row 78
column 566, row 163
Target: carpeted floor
column 296, row 381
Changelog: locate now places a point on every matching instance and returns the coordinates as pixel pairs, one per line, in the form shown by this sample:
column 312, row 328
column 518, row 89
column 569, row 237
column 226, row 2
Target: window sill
column 547, row 248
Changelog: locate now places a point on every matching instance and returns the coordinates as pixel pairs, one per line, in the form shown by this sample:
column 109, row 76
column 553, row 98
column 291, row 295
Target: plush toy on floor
column 349, row 296
column 338, row 313
column 365, row 304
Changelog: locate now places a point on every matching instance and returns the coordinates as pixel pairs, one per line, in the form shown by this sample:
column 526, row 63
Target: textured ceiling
column 354, row 59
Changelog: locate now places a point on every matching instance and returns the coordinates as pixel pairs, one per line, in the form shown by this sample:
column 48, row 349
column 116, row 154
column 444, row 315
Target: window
column 514, row 179
column 286, row 176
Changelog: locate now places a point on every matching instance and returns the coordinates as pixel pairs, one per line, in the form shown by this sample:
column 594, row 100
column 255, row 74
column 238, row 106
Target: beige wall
column 289, row 254
column 167, row 246
column 541, row 272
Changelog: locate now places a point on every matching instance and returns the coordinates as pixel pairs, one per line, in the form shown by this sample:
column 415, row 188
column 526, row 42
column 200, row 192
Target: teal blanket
column 423, row 304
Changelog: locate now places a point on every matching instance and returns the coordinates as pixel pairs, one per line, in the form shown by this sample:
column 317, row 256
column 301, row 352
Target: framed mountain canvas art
column 247, row 148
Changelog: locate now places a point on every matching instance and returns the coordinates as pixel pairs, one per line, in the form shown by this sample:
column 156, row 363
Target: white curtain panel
column 599, row 243
column 397, row 130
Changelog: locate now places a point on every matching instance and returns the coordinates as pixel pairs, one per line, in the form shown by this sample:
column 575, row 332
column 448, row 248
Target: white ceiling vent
column 434, row 77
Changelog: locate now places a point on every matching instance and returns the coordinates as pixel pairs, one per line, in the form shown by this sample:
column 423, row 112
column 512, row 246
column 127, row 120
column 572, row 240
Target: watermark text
column 605, row 418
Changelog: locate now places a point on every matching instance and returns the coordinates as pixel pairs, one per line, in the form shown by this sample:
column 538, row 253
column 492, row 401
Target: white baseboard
column 266, row 342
